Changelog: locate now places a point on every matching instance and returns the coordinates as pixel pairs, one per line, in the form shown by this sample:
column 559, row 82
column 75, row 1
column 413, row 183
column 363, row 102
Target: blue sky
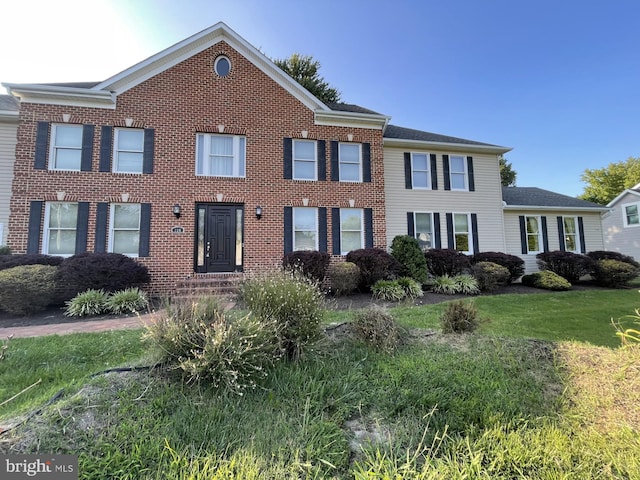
column 558, row 81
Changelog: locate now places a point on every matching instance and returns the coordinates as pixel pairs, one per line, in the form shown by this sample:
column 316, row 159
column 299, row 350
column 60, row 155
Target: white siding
column 485, row 201
column 617, row 237
column 8, row 138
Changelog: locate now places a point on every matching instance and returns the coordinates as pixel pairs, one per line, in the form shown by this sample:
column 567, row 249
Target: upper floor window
column 534, row 234
column 571, row 238
column 128, row 155
column 124, row 229
column 220, row 155
column 304, row 160
column 66, row 147
column 631, row 217
column 458, row 172
column 351, row 230
column 61, row 220
column 420, row 170
column 462, row 232
column 423, row 228
column 305, row 228
column 350, row 162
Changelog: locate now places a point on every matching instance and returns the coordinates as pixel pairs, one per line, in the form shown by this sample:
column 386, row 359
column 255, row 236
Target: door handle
column 208, row 250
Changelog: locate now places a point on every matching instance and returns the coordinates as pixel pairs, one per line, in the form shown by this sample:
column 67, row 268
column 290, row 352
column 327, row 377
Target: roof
column 393, row 131
column 9, row 103
column 634, row 191
column 538, row 198
column 349, row 107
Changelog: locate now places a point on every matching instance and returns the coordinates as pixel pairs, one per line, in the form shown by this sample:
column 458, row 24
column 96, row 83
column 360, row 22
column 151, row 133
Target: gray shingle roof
column 349, row 107
column 537, row 197
column 9, row 103
column 393, row 131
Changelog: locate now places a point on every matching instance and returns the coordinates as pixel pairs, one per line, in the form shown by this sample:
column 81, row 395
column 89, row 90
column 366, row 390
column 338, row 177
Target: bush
column 613, row 273
column 27, row 289
column 290, row 301
column 131, row 300
column 445, row 285
column 606, row 255
column 547, row 280
column 10, row 261
column 91, row 302
column 376, row 327
column 344, row 278
column 446, row 261
column 5, row 250
column 570, row 266
column 459, row 317
column 490, row 275
column 467, row 284
column 374, row 264
column 100, row 271
column 407, row 251
column 388, row 290
column 412, row 289
column 311, row 263
column 513, row 263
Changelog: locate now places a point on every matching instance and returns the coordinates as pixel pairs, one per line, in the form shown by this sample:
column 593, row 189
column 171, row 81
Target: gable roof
column 539, row 199
column 635, row 191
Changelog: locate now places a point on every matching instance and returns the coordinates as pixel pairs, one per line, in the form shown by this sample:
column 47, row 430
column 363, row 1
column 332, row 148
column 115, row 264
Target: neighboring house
column 621, row 224
column 537, row 220
column 9, row 108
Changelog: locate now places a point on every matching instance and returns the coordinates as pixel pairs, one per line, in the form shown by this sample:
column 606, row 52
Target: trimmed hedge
column 312, row 263
column 10, row 261
column 613, row 273
column 570, row 266
column 27, row 289
column 375, row 264
column 490, row 275
column 513, row 263
column 547, row 280
column 606, row 255
column 343, row 277
column 446, row 261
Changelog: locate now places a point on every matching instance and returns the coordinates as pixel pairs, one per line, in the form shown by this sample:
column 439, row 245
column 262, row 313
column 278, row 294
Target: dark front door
column 219, row 238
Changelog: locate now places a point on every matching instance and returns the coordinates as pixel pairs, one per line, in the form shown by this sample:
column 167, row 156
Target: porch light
column 258, row 212
column 177, row 210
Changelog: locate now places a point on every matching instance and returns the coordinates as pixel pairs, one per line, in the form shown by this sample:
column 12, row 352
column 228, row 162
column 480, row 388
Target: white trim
column 465, row 173
column 362, row 240
column 555, row 209
column 46, row 231
column 56, row 95
column 206, row 148
column 293, row 159
column 469, row 232
column 428, row 170
column 431, row 233
column 350, row 119
column 215, row 65
column 293, row 227
column 576, row 234
column 53, row 147
column 540, row 237
column 444, row 146
column 360, row 162
column 112, row 210
column 10, row 116
column 627, row 191
column 624, row 214
column 114, row 156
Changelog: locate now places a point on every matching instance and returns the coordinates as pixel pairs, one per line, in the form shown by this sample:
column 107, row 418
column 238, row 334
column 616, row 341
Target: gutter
column 400, row 142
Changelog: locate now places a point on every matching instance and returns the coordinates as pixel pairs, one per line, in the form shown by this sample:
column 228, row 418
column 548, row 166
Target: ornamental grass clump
column 460, row 317
column 388, row 290
column 377, row 328
column 91, row 302
column 131, row 300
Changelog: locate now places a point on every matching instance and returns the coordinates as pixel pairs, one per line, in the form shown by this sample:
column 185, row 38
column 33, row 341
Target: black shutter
column 106, row 140
column 335, row 230
column 445, row 172
column 411, row 227
column 335, row 167
column 82, row 227
column 102, row 212
column 368, row 228
column 545, row 237
column 288, row 230
column 583, row 247
column 474, row 232
column 450, row 238
column 561, row 234
column 434, row 171
column 523, row 235
column 35, row 223
column 42, row 145
column 437, row 242
column 408, row 184
column 322, row 160
column 87, row 148
column 322, row 229
column 147, row 158
column 366, row 162
column 287, row 158
column 145, row 229
column 472, row 182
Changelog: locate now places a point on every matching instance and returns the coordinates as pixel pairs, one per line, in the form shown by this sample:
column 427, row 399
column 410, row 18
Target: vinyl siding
column 8, row 135
column 617, row 237
column 485, row 201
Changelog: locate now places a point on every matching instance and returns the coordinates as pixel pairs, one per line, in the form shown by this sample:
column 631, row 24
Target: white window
column 571, row 238
column 304, row 160
column 462, row 232
column 128, row 152
column 220, row 155
column 420, row 171
column 124, row 229
column 423, row 228
column 351, row 230
column 61, row 220
column 305, row 229
column 534, row 234
column 458, row 172
column 630, row 216
column 65, row 152
column 349, row 157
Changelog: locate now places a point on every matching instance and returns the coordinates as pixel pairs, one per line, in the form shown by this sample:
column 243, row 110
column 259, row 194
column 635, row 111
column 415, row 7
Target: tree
column 507, row 173
column 304, row 70
column 605, row 184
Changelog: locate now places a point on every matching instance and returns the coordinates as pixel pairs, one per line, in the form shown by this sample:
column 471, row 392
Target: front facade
column 621, row 224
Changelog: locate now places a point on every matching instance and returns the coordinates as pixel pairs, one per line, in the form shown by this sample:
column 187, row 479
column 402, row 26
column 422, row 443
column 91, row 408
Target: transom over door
column 219, row 237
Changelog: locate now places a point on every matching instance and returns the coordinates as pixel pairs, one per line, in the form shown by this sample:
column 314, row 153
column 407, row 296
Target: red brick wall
column 178, row 103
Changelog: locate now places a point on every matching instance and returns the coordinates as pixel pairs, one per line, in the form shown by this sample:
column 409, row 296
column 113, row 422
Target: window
column 349, row 162
column 305, row 229
column 220, row 155
column 571, row 238
column 304, row 160
column 351, row 230
column 458, row 172
column 222, row 66
column 124, row 233
column 420, row 170
column 631, row 218
column 66, row 147
column 534, row 234
column 423, row 228
column 128, row 152
column 61, row 220
column 462, row 232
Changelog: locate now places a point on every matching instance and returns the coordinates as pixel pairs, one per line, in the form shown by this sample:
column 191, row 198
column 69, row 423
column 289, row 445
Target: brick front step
column 210, row 284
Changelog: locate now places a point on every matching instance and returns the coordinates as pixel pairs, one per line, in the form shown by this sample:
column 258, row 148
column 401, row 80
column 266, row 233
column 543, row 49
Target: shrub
column 467, row 284
column 446, row 261
column 389, row 290
column 547, row 280
column 290, row 301
column 376, row 327
column 513, row 263
column 100, row 271
column 460, row 317
column 374, row 264
column 91, row 302
column 613, row 273
column 311, row 263
column 130, row 300
column 10, row 261
column 412, row 289
column 490, row 275
column 606, row 255
column 5, row 250
column 344, row 278
column 27, row 289
column 570, row 266
column 445, row 285
column 407, row 251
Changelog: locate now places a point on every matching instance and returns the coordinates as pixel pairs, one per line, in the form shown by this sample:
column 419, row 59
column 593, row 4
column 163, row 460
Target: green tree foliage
column 304, row 70
column 507, row 173
column 605, row 184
